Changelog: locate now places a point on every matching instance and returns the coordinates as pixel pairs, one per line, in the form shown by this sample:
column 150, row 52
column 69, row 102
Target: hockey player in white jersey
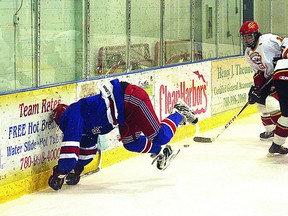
column 262, row 52
column 280, row 78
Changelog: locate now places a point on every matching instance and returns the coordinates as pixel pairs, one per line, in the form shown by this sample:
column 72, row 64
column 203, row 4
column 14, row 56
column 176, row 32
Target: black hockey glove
column 56, row 180
column 254, row 95
column 74, row 177
column 275, row 60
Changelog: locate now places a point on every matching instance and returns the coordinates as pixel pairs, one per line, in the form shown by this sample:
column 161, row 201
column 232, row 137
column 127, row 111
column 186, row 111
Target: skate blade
column 270, row 155
column 154, row 160
column 269, row 139
column 170, row 159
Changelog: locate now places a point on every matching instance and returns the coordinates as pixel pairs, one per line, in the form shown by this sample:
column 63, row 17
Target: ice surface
column 229, row 177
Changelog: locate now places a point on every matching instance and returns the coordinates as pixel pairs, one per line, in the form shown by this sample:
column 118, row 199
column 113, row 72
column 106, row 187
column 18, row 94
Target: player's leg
column 141, row 117
column 188, row 115
column 281, row 131
column 269, row 122
column 268, row 106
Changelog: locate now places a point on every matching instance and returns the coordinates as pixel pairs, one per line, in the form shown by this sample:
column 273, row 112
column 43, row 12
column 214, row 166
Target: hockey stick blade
column 98, row 167
column 91, row 172
column 202, row 139
column 209, row 140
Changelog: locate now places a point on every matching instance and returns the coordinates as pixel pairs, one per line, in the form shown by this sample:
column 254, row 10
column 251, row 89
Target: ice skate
column 188, row 115
column 165, row 157
column 267, row 135
column 277, row 149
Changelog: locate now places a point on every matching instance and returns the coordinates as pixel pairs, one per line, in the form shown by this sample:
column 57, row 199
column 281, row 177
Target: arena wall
column 30, row 141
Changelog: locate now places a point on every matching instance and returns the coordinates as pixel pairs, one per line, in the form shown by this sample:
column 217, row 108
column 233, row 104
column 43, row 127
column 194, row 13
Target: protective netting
column 112, row 59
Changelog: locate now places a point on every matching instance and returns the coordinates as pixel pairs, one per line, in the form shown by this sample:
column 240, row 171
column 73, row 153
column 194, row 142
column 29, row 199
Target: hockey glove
column 254, row 95
column 74, row 177
column 275, row 60
column 56, row 180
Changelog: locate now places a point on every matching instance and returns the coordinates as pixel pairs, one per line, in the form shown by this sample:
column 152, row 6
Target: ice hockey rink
column 229, row 177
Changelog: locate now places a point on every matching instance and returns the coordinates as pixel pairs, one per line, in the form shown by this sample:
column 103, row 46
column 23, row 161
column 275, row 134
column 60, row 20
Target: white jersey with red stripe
column 261, row 57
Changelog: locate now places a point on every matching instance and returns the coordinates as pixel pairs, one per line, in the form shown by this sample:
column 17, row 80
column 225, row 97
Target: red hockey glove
column 74, row 177
column 254, row 95
column 56, row 180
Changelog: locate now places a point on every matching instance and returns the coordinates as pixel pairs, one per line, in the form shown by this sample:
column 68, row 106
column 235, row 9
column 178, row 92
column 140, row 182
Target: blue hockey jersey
column 84, row 120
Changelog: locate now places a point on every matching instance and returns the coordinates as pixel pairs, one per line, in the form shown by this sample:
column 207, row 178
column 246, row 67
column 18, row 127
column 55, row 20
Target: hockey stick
column 98, row 167
column 209, row 140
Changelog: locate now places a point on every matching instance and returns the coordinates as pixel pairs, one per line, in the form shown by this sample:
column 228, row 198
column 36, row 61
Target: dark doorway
column 248, row 10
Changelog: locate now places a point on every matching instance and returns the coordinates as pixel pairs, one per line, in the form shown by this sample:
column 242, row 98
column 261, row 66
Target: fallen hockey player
column 118, row 104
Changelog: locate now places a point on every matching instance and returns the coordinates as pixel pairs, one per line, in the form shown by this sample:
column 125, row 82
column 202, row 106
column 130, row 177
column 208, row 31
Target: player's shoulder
column 269, row 40
column 267, row 37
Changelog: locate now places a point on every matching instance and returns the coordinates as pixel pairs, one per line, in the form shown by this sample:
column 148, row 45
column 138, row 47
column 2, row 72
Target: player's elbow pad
column 285, row 53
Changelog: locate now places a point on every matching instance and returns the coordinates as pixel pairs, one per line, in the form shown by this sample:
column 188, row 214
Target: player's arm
column 69, row 152
column 283, row 46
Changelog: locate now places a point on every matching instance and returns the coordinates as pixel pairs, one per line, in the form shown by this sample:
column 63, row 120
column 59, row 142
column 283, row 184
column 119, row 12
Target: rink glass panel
column 47, row 42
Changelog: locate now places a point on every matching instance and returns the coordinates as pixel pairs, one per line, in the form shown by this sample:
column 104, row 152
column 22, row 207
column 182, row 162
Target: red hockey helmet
column 249, row 27
column 249, row 33
column 58, row 112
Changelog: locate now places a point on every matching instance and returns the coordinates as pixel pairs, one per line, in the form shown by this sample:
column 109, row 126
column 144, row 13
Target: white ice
column 229, row 177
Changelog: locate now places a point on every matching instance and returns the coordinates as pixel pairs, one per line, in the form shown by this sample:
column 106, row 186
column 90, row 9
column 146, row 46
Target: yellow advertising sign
column 30, row 142
column 231, row 80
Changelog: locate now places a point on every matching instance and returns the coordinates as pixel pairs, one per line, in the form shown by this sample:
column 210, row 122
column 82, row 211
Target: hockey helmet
column 58, row 112
column 249, row 33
